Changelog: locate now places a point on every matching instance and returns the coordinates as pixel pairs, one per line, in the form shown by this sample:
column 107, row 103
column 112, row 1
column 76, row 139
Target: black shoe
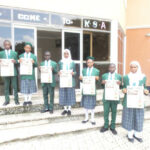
column 138, row 139
column 44, row 110
column 113, row 131
column 85, row 121
column 130, row 139
column 51, row 111
column 25, row 103
column 103, row 129
column 17, row 103
column 64, row 112
column 29, row 103
column 93, row 123
column 5, row 103
column 69, row 113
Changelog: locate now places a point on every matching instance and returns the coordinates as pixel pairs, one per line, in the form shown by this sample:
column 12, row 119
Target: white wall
column 106, row 9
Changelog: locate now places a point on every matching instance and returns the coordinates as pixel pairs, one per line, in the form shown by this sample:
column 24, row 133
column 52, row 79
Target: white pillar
column 114, row 43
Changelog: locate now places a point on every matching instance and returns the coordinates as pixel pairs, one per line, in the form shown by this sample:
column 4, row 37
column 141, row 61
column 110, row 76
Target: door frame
column 35, row 41
column 81, row 47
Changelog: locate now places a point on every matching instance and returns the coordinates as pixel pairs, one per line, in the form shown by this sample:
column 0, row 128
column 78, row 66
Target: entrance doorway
column 97, row 44
column 48, row 41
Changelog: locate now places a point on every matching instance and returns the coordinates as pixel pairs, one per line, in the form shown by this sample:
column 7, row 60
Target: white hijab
column 66, row 61
column 135, row 77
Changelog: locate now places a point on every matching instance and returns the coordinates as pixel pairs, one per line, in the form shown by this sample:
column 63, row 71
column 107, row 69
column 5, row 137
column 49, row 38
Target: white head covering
column 66, row 61
column 136, row 77
column 69, row 59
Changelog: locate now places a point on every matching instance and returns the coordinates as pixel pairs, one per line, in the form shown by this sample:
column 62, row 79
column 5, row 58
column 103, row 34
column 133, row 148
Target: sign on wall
column 67, row 21
column 96, row 24
column 5, row 14
column 30, row 17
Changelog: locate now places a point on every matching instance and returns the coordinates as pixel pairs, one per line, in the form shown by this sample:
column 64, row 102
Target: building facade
column 95, row 28
column 138, row 35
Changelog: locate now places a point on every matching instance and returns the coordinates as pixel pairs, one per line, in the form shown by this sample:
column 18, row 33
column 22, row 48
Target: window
column 101, row 46
column 96, row 44
column 5, row 33
column 86, row 45
column 72, row 42
column 22, row 35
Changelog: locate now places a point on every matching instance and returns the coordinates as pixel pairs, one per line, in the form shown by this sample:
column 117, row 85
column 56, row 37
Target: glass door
column 72, row 40
column 22, row 34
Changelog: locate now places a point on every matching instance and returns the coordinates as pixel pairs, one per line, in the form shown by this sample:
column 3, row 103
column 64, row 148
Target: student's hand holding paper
column 96, row 78
column 146, row 92
column 124, row 91
column 59, row 73
column 20, row 60
column 13, row 61
column 32, row 61
column 118, row 82
column 72, row 73
column 103, row 82
column 81, row 78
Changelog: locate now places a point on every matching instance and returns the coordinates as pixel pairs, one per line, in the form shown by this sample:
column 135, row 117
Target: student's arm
column 74, row 69
column 102, row 81
column 124, row 87
column 39, row 67
column 120, row 81
column 16, row 58
column 35, row 62
column 145, row 88
column 81, row 76
column 59, row 65
column 97, row 74
column 55, row 68
column 1, row 55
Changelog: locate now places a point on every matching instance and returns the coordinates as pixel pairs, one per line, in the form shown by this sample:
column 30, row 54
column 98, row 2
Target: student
column 28, row 83
column 110, row 105
column 67, row 97
column 8, row 53
column 133, row 118
column 48, row 88
column 89, row 101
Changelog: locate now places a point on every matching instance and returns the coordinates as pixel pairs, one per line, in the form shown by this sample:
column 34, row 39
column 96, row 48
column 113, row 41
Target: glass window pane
column 5, row 33
column 72, row 42
column 101, row 46
column 86, row 46
column 23, row 35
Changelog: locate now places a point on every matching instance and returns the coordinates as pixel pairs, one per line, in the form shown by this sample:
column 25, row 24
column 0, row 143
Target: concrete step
column 53, row 129
column 31, row 119
column 37, row 103
column 37, row 106
column 37, row 118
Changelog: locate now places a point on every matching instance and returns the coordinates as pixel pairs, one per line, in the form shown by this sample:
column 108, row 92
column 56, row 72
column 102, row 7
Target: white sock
column 65, row 108
column 25, row 97
column 29, row 97
column 130, row 134
column 69, row 108
column 86, row 115
column 92, row 115
column 138, row 134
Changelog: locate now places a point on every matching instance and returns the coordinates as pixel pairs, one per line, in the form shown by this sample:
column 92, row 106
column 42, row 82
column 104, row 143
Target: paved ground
column 90, row 140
